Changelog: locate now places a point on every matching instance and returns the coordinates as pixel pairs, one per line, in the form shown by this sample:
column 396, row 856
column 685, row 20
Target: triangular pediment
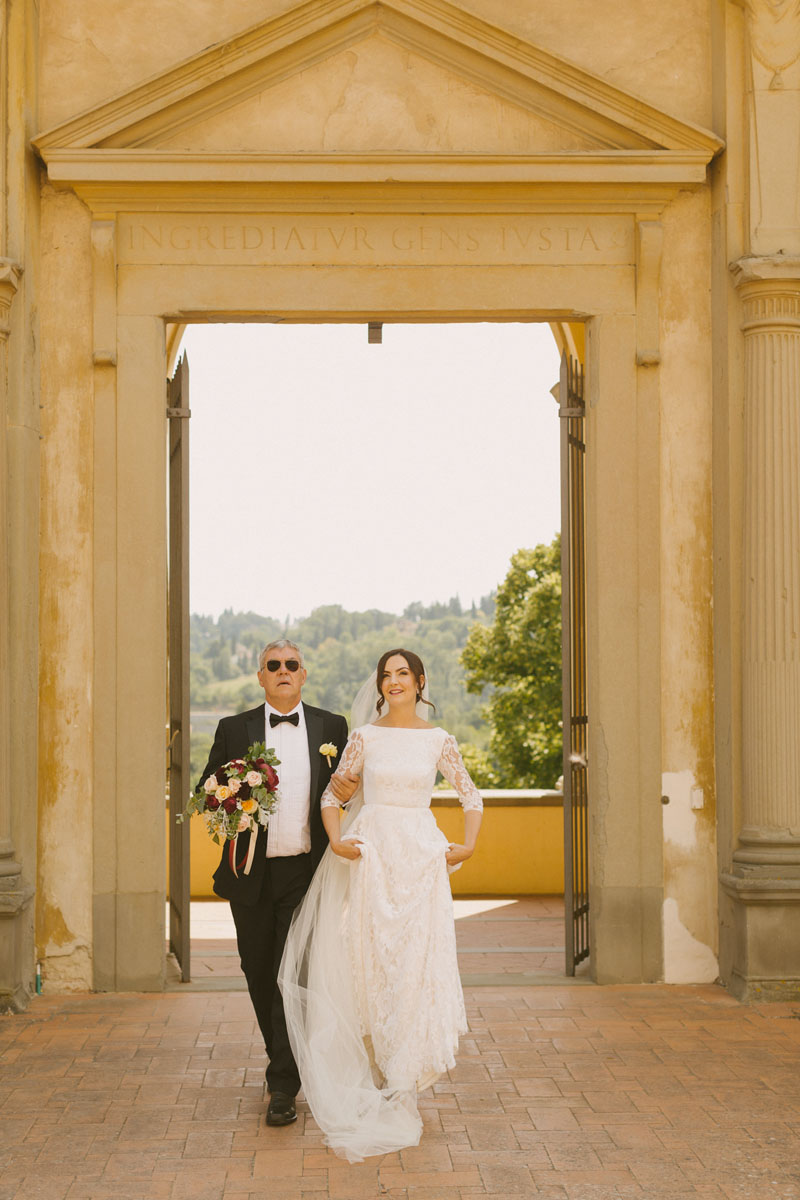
column 374, row 96
column 355, row 77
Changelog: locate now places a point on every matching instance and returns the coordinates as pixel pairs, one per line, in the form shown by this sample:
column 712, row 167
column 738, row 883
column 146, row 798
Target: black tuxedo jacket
column 233, row 738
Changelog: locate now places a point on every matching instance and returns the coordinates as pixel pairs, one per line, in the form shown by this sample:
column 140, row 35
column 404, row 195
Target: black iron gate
column 573, row 659
column 178, row 632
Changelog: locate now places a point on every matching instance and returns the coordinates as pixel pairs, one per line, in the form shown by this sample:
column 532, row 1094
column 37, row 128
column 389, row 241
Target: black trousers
column 261, row 931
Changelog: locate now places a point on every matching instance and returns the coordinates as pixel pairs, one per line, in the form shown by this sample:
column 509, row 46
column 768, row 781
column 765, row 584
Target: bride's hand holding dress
column 345, row 848
column 370, row 975
column 457, row 854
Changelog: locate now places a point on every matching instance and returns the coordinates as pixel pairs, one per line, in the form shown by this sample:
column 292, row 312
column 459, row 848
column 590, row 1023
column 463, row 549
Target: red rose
column 212, row 803
column 261, row 764
column 221, row 776
column 230, row 804
column 272, row 777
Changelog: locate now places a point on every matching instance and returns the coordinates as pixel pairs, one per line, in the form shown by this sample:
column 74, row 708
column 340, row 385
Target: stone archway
column 555, row 201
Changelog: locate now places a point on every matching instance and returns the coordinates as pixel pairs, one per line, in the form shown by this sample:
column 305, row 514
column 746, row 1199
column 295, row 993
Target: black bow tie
column 275, row 719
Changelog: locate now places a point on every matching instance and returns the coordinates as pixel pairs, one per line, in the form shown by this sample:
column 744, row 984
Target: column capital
column 10, row 274
column 769, row 287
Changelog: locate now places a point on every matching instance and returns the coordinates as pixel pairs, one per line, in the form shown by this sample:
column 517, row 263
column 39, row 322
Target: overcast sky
column 328, row 471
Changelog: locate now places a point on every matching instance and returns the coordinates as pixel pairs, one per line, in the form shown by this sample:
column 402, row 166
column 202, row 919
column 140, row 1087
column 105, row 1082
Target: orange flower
column 249, row 806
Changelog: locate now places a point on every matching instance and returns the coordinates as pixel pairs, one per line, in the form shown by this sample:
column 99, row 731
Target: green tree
column 479, row 765
column 222, row 665
column 519, row 655
column 341, row 648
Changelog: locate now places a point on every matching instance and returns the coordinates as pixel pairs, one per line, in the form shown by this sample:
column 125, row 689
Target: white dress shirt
column 289, row 829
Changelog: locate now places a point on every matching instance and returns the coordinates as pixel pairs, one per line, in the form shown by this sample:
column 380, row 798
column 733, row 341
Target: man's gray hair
column 279, row 644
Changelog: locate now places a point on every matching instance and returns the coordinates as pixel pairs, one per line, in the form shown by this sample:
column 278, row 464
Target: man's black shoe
column 281, row 1109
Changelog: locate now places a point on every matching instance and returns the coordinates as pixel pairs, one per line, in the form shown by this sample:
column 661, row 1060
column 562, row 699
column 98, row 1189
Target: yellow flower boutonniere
column 329, row 750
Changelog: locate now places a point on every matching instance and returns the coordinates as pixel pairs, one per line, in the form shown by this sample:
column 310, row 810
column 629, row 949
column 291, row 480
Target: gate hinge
column 179, row 412
column 572, row 412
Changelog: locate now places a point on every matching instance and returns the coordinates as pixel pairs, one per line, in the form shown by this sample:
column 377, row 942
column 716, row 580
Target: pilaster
column 764, row 881
column 14, row 895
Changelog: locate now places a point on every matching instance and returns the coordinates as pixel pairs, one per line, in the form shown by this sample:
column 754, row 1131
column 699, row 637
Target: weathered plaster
column 686, row 960
column 651, row 682
column 92, row 51
column 686, row 530
column 376, row 96
column 670, row 69
column 679, row 817
column 64, row 899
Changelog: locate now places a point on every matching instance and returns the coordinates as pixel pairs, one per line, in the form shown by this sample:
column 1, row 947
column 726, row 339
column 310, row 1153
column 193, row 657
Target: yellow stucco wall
column 91, row 50
column 137, row 254
column 520, row 852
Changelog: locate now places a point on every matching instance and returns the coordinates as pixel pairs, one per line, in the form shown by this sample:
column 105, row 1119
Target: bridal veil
column 356, row 1113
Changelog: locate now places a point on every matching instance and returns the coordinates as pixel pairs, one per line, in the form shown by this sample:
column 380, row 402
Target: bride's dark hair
column 415, row 666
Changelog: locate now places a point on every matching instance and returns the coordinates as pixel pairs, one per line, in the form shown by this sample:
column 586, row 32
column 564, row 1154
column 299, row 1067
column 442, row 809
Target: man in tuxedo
column 286, row 852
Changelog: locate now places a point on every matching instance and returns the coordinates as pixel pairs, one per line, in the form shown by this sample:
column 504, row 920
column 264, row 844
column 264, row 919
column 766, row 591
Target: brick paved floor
column 561, row 1092
column 497, row 938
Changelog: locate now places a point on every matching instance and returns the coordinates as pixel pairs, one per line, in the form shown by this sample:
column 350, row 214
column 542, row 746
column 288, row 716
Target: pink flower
column 211, row 784
column 253, row 778
column 234, row 785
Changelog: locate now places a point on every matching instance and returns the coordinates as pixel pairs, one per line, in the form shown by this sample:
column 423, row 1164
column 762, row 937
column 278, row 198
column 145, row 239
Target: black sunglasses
column 275, row 664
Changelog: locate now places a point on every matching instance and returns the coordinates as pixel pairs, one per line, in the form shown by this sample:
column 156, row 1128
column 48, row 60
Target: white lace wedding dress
column 369, row 976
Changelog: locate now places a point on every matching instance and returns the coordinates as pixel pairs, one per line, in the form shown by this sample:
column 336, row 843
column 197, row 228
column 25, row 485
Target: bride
column 369, row 976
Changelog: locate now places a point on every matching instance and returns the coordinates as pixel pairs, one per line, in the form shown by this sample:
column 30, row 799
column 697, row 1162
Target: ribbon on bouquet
column 247, row 861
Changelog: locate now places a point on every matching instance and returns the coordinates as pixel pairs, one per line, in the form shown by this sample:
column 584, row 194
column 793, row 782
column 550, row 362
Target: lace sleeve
column 352, row 760
column 452, row 767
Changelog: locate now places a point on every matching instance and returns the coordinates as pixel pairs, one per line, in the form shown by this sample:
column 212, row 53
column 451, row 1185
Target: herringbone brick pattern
column 561, row 1092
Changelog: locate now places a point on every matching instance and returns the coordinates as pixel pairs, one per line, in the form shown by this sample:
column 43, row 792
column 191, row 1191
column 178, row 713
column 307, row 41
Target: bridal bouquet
column 239, row 796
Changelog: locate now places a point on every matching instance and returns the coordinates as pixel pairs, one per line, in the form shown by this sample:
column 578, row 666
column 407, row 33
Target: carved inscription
column 278, row 240
column 272, row 238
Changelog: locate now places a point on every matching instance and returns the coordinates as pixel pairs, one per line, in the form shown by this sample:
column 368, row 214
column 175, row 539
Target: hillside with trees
column 494, row 668
column 340, row 648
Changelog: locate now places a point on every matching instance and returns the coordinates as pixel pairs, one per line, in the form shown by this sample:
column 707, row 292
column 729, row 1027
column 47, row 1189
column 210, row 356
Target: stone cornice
column 109, row 180
column 768, row 268
column 276, row 49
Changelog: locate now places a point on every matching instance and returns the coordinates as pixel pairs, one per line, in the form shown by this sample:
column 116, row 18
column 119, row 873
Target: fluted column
column 764, row 879
column 770, row 831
